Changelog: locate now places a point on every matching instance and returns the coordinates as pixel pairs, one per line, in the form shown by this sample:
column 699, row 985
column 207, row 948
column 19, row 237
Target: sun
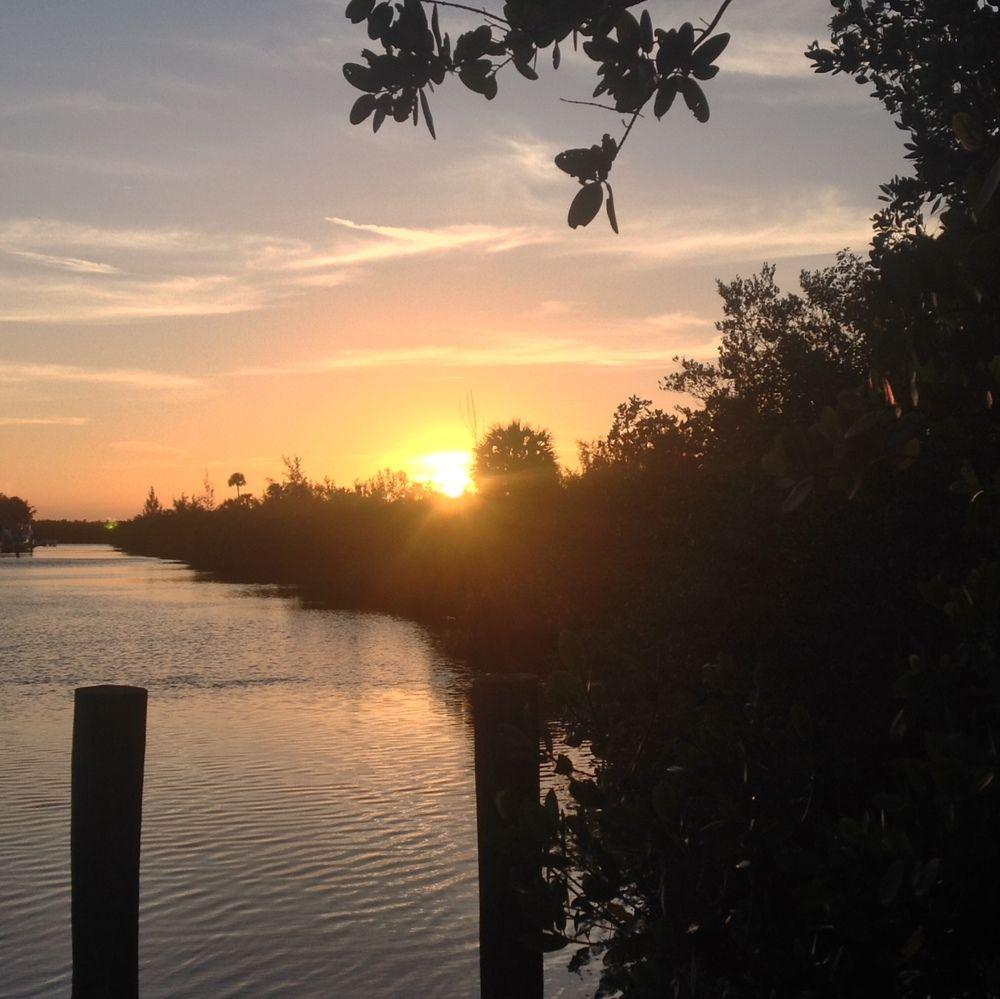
column 446, row 472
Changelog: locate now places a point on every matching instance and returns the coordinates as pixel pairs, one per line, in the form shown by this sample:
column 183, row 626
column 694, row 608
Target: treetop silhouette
column 514, row 459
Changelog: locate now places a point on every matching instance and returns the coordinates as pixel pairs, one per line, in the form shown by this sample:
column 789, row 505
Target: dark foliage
column 14, row 511
column 74, row 531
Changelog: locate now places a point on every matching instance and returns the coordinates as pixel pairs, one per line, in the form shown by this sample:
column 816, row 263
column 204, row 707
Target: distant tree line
column 73, row 532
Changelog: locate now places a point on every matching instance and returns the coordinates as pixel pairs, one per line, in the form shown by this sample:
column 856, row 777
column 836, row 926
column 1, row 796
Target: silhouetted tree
column 388, row 486
column 236, row 480
column 514, row 459
column 639, row 432
column 207, row 498
column 782, row 355
column 152, row 506
column 14, row 511
column 294, row 486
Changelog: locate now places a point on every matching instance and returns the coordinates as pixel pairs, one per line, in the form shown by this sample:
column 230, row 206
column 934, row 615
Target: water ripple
column 309, row 813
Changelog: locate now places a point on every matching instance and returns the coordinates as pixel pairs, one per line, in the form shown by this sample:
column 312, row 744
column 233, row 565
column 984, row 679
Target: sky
column 205, row 267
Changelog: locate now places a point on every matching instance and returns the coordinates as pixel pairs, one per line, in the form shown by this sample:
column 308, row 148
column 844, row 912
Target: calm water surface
column 309, row 811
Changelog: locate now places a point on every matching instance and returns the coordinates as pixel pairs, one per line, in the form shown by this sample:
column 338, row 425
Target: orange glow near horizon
column 446, row 472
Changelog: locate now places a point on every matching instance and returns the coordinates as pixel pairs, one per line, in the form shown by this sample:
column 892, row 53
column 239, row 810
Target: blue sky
column 204, row 266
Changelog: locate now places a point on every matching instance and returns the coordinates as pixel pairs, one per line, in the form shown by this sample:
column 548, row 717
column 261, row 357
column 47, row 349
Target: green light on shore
column 111, row 525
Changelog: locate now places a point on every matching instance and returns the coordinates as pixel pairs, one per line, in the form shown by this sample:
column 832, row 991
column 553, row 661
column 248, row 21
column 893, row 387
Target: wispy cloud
column 774, row 54
column 808, row 224
column 163, row 272
column 43, row 421
column 392, row 242
column 513, row 352
column 128, row 274
column 80, row 301
column 75, row 264
column 679, row 321
column 134, row 378
column 48, row 232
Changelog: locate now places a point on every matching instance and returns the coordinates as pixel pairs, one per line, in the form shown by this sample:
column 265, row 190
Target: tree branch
column 592, row 104
column 636, row 115
column 473, row 10
column 714, row 23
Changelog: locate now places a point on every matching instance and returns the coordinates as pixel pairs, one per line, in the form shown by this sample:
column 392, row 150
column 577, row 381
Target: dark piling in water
column 109, row 749
column 505, row 718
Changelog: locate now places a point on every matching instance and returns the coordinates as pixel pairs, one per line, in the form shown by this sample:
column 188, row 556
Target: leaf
column 612, row 216
column 629, row 35
column 602, row 49
column 551, row 806
column 564, row 765
column 478, row 76
column 705, row 72
column 556, row 56
column 646, row 32
column 710, row 50
column 695, row 98
column 547, row 942
column 361, row 77
column 379, row 21
column 436, row 28
column 665, row 96
column 428, row 117
column 363, row 107
column 685, row 39
column 358, row 10
column 798, row 495
column 580, row 163
column 586, row 205
column 526, row 70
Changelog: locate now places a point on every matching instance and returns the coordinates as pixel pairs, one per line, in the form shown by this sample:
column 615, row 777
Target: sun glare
column 447, row 472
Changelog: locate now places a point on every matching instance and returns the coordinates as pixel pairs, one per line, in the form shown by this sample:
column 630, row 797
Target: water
column 309, row 810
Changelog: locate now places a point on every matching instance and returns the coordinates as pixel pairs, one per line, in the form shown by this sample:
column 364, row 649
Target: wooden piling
column 505, row 719
column 109, row 748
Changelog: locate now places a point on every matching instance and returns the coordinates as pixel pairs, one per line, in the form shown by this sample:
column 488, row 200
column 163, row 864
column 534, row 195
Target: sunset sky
column 204, row 266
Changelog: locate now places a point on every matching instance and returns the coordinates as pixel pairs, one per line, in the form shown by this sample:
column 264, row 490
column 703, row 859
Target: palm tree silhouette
column 237, row 479
column 514, row 459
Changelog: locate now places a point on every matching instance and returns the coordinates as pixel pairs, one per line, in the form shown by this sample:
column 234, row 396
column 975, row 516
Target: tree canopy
column 514, row 459
column 14, row 511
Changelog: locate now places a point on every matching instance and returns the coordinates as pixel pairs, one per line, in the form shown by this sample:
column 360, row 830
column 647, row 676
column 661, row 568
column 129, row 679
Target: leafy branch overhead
column 637, row 65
